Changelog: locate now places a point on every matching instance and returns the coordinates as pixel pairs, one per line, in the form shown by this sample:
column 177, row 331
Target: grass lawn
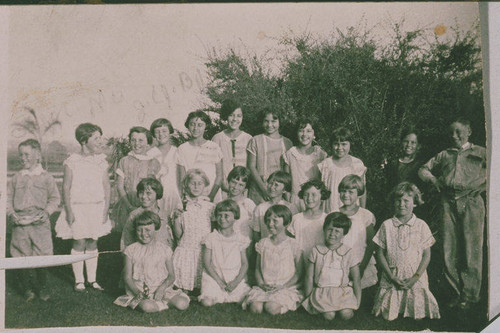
column 93, row 308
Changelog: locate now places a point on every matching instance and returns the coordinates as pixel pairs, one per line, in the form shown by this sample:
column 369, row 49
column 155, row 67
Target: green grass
column 93, row 308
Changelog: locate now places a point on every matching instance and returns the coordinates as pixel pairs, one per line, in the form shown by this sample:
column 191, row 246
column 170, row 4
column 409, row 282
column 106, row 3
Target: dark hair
column 146, row 218
column 140, row 129
column 153, row 183
column 34, row 144
column 266, row 111
column 301, row 124
column 462, row 120
column 281, row 211
column 407, row 188
column 352, row 182
column 198, row 114
column 338, row 220
column 408, row 131
column 159, row 123
column 228, row 206
column 239, row 172
column 84, row 131
column 317, row 183
column 281, row 177
column 227, row 108
column 340, row 134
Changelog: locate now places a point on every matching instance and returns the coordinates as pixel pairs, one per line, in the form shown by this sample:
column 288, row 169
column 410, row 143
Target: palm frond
column 51, row 125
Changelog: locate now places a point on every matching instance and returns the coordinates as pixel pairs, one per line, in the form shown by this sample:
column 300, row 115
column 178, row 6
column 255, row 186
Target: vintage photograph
column 303, row 166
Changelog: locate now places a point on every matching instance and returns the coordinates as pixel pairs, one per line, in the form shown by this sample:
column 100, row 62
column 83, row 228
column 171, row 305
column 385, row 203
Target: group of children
column 242, row 219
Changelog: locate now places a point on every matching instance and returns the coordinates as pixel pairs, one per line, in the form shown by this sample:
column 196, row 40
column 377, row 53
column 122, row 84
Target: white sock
column 78, row 268
column 91, row 266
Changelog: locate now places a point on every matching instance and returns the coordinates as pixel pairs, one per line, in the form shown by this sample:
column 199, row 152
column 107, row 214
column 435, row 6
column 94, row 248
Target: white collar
column 150, row 154
column 37, row 171
column 466, row 145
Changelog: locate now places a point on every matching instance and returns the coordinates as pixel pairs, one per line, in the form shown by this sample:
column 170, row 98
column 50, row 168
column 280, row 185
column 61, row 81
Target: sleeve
column 10, row 195
column 154, row 167
column 426, row 237
column 255, row 222
column 252, row 146
column 297, row 251
column 244, row 242
column 259, row 247
column 433, row 162
column 208, row 241
column 313, row 255
column 380, row 237
column 288, row 143
column 179, row 156
column 291, row 227
column 168, row 252
column 350, row 260
column 322, row 154
column 218, row 152
column 120, row 171
column 53, row 196
column 104, row 163
column 370, row 219
column 129, row 251
column 286, row 157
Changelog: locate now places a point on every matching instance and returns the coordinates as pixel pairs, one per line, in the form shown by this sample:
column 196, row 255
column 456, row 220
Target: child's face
column 139, row 143
column 197, row 128
column 349, row 196
column 29, row 157
column 145, row 233
column 147, row 197
column 162, row 134
column 333, row 235
column 460, row 134
column 225, row 220
column 236, row 187
column 94, row 143
column 306, row 135
column 341, row 148
column 409, row 145
column 196, row 186
column 275, row 224
column 404, row 205
column 275, row 189
column 235, row 119
column 312, row 197
column 271, row 124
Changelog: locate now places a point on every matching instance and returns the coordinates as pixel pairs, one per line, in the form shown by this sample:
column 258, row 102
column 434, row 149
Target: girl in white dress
column 149, row 274
column 278, row 267
column 86, row 194
column 404, row 253
column 359, row 237
column 339, row 165
column 224, row 259
column 301, row 161
column 237, row 181
column 166, row 154
column 200, row 153
column 232, row 141
column 190, row 227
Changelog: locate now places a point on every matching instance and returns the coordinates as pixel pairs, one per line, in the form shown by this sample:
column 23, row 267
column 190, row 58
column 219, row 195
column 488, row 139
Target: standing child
column 200, row 153
column 32, row 196
column 138, row 164
column 237, row 181
column 149, row 274
column 332, row 279
column 224, row 259
column 404, row 253
column 301, row 161
column 359, row 237
column 278, row 267
column 86, row 192
column 278, row 183
column 264, row 156
column 339, row 165
column 232, row 141
column 190, row 227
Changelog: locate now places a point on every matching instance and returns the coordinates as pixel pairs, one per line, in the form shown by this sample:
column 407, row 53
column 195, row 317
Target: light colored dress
column 226, row 259
column 331, row 291
column 258, row 224
column 243, row 224
column 302, row 168
column 356, row 240
column 168, row 178
column 149, row 268
column 277, row 265
column 234, row 151
column 204, row 157
column 307, row 232
column 196, row 225
column 404, row 245
column 87, row 198
column 332, row 175
column 133, row 168
column 268, row 153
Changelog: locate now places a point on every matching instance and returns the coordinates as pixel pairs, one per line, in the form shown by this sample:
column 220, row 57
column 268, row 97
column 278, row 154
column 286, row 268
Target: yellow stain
column 440, row 30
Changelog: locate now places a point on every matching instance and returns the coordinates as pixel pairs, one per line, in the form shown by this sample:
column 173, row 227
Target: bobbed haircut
column 146, row 218
column 198, row 114
column 409, row 189
column 34, row 144
column 159, row 123
column 140, row 129
column 84, row 131
column 338, row 220
column 408, row 131
column 228, row 107
column 340, row 134
column 462, row 120
column 155, row 185
column 318, row 184
column 350, row 182
column 240, row 173
column 267, row 111
column 195, row 172
column 228, row 206
column 281, row 177
column 279, row 210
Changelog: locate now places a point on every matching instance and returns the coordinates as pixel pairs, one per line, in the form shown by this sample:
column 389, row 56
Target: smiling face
column 275, row 224
column 235, row 119
column 236, row 187
column 162, row 134
column 145, row 233
column 225, row 220
column 349, row 196
column 403, row 206
column 195, row 186
column 333, row 235
column 197, row 128
column 409, row 145
column 312, row 197
column 29, row 157
column 341, row 148
column 306, row 135
column 139, row 143
column 271, row 124
column 147, row 198
column 95, row 143
column 275, row 189
column 460, row 134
